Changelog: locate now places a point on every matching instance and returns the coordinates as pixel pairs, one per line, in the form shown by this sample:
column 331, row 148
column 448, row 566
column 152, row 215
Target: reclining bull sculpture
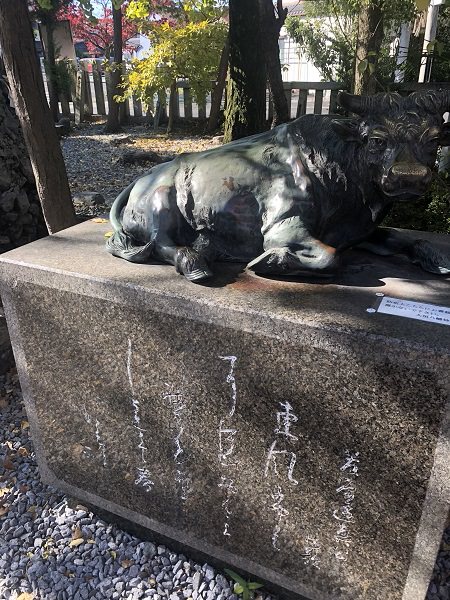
column 290, row 200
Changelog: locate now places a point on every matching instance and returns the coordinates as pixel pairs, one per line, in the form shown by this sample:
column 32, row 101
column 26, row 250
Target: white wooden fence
column 88, row 97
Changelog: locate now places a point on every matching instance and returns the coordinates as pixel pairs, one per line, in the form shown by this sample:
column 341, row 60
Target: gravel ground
column 94, row 160
column 51, row 549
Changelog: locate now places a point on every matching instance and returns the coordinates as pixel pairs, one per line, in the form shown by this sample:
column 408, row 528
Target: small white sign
column 415, row 310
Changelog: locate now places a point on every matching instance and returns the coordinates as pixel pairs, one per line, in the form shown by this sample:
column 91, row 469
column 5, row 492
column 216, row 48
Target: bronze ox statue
column 290, row 200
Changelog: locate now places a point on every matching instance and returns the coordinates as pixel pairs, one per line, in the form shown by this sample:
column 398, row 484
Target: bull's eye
column 377, row 144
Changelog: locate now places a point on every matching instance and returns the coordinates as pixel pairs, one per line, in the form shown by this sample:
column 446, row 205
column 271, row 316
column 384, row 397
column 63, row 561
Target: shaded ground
column 94, row 160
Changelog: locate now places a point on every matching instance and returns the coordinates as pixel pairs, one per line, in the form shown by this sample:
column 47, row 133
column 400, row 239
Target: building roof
column 295, row 8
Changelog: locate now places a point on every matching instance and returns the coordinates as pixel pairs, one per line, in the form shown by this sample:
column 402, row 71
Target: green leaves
column 252, row 585
column 242, row 587
column 45, row 4
column 362, row 66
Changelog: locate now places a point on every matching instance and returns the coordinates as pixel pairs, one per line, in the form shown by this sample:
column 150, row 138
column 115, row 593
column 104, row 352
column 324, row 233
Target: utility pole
column 430, row 36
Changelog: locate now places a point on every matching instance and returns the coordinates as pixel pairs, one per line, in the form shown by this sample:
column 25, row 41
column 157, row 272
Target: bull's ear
column 347, row 129
column 444, row 138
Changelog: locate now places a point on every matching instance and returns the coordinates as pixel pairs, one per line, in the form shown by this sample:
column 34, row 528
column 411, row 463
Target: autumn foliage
column 97, row 35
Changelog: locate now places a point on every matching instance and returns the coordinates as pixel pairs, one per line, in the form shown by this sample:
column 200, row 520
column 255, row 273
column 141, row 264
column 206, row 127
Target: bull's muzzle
column 406, row 178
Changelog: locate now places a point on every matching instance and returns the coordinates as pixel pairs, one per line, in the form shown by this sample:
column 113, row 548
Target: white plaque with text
column 415, row 310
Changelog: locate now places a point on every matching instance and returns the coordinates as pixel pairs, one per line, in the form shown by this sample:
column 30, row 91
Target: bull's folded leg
column 386, row 242
column 192, row 264
column 314, row 258
column 188, row 262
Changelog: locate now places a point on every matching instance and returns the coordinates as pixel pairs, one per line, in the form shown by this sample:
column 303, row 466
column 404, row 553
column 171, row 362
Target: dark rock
column 22, row 202
column 26, row 219
column 142, row 156
column 5, row 179
column 121, row 140
column 89, row 198
column 7, row 200
column 19, row 207
column 35, row 209
column 63, row 126
column 11, row 217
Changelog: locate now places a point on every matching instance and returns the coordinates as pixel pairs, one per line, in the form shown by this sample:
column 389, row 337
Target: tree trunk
column 27, row 89
column 217, row 93
column 113, row 121
column 51, row 66
column 246, row 93
column 368, row 47
column 270, row 31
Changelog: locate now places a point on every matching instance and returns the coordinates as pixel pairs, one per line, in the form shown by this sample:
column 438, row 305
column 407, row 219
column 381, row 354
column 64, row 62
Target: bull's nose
column 410, row 171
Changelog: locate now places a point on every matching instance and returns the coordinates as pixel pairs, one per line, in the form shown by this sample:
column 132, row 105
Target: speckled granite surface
column 276, row 425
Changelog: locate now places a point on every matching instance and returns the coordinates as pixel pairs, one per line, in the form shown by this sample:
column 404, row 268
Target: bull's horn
column 355, row 104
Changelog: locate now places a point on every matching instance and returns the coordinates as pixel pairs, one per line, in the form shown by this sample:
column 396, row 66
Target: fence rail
column 89, row 94
column 89, row 97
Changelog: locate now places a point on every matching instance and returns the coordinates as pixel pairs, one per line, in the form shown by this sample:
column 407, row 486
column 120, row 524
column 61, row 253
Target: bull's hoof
column 198, row 275
column 277, row 261
column 429, row 258
column 192, row 265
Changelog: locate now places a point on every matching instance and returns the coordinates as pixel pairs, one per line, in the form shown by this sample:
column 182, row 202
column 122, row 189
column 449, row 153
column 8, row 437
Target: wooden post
column 108, row 88
column 288, row 94
column 65, row 107
column 187, row 102
column 137, row 107
column 202, row 109
column 333, row 102
column 98, row 89
column 79, row 100
column 318, row 101
column 88, row 108
column 302, row 99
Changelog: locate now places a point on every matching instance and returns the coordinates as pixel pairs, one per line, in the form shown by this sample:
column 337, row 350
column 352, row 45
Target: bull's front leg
column 289, row 250
column 387, row 242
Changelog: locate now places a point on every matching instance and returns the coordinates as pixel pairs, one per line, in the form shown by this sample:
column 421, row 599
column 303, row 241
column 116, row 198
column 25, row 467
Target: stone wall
column 21, row 218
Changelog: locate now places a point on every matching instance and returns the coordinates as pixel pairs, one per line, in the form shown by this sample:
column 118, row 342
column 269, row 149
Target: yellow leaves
column 191, row 51
column 100, row 220
column 48, row 547
column 108, row 234
column 4, row 491
column 113, row 553
column 24, row 424
column 26, row 596
column 22, row 451
column 137, row 10
column 77, row 542
column 126, row 563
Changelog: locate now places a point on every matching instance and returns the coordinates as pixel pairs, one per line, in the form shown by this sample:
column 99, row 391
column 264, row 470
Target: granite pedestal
column 292, row 430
